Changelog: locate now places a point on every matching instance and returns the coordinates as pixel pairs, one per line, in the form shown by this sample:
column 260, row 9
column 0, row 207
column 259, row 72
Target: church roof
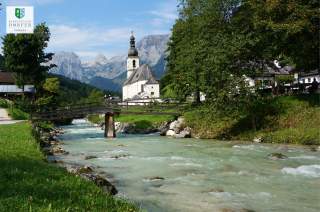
column 141, row 74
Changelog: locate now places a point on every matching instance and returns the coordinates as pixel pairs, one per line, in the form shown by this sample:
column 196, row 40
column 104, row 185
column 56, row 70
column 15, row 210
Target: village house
column 307, row 77
column 9, row 88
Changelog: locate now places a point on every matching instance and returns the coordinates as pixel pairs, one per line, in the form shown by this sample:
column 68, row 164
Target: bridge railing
column 109, row 106
column 146, row 106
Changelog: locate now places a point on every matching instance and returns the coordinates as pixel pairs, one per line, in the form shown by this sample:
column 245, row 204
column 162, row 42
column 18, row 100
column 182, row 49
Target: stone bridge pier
column 109, row 130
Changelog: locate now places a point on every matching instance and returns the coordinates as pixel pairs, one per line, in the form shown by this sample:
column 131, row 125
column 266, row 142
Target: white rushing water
column 164, row 174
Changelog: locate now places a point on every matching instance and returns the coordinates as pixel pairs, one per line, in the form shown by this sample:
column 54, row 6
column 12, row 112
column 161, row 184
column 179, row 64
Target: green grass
column 155, row 119
column 284, row 119
column 17, row 114
column 140, row 121
column 28, row 183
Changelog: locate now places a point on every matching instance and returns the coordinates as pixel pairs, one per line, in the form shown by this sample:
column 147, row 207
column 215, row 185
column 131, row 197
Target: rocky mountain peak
column 151, row 51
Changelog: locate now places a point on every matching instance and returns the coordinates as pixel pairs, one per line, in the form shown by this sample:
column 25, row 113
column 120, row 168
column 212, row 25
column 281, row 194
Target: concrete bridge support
column 109, row 130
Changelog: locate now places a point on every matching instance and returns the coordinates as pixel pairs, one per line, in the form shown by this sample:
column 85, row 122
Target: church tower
column 133, row 62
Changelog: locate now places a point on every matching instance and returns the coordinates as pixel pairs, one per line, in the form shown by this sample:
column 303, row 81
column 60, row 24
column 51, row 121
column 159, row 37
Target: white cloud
column 87, row 42
column 165, row 13
column 70, row 36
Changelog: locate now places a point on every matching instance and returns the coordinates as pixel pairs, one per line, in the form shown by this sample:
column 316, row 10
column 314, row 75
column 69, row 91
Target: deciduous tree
column 25, row 56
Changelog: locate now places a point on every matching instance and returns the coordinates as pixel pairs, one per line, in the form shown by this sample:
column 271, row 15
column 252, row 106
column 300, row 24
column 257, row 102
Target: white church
column 140, row 86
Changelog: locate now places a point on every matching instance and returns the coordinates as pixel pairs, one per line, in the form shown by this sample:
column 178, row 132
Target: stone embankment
column 176, row 129
column 131, row 128
column 52, row 148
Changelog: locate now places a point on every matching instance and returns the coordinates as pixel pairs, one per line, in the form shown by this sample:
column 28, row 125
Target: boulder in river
column 84, row 170
column 314, row 149
column 277, row 156
column 89, row 157
column 177, row 125
column 214, row 190
column 101, row 182
column 155, row 178
column 164, row 128
column 258, row 140
column 235, row 210
column 58, row 150
column 119, row 156
column 185, row 133
column 170, row 133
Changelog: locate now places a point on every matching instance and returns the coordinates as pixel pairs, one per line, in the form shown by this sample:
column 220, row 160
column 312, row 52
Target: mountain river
column 166, row 174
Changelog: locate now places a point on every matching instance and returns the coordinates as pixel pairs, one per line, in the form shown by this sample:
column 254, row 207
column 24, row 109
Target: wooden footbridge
column 109, row 108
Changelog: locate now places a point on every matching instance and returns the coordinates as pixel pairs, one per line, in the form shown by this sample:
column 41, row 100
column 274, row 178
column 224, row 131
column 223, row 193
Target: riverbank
column 283, row 119
column 29, row 183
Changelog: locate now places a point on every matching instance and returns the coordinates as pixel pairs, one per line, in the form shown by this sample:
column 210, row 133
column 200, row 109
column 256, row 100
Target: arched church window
column 134, row 63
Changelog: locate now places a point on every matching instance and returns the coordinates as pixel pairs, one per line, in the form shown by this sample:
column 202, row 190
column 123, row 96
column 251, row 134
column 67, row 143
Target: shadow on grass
column 37, row 185
column 264, row 115
column 312, row 99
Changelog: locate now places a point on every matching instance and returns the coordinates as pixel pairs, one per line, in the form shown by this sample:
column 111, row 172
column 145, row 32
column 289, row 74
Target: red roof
column 6, row 77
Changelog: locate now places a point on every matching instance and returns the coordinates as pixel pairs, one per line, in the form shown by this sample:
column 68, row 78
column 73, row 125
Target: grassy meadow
column 29, row 183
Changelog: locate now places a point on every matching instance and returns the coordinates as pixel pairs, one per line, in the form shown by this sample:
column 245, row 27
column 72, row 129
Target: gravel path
column 4, row 115
column 5, row 118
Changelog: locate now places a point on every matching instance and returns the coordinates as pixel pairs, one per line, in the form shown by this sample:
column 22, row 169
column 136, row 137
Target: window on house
column 309, row 79
column 134, row 63
column 142, row 88
column 152, row 93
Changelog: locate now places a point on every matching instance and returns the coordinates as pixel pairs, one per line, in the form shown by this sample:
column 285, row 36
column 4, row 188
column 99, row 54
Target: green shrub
column 18, row 114
column 143, row 124
column 4, row 103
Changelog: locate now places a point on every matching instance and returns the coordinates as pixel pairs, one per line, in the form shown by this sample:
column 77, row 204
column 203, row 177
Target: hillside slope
column 284, row 119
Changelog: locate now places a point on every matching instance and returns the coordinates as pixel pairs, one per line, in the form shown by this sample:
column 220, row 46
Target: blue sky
column 91, row 27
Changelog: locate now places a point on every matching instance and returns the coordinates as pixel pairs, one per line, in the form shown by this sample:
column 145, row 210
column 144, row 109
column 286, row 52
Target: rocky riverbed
column 53, row 149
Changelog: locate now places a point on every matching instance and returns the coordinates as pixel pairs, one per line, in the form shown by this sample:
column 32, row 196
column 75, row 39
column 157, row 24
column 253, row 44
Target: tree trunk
column 253, row 123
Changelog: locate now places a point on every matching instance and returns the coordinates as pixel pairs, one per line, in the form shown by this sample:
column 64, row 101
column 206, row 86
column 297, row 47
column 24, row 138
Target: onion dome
column 133, row 52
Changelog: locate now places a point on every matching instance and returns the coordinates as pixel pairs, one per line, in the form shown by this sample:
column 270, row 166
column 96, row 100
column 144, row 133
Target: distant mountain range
column 109, row 74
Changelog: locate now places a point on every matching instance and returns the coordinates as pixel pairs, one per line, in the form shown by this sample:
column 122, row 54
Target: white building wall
column 152, row 88
column 130, row 65
column 309, row 79
column 249, row 81
column 130, row 91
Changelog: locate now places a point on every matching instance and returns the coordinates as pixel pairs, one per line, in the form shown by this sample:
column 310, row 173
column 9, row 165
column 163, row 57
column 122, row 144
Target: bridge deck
column 81, row 111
